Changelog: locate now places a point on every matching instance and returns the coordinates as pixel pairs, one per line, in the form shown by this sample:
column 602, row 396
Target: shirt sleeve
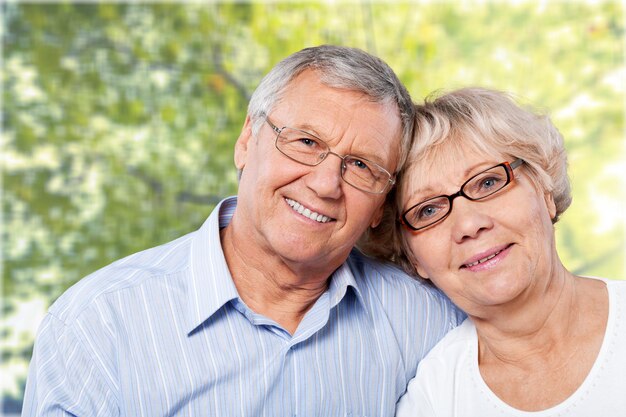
column 415, row 402
column 64, row 379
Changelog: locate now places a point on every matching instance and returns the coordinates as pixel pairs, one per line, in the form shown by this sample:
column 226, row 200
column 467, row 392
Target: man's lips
column 301, row 209
column 484, row 256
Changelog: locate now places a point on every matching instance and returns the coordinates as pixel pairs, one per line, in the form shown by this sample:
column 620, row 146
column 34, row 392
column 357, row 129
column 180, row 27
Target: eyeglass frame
column 390, row 182
column 510, row 177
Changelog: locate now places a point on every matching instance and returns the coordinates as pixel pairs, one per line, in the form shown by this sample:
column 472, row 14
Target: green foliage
column 119, row 120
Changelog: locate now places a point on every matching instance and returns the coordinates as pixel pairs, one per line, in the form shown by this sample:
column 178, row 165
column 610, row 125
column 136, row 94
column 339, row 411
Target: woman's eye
column 427, row 212
column 489, row 183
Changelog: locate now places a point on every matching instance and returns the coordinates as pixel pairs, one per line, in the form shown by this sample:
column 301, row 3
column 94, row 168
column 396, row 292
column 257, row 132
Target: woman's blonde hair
column 465, row 120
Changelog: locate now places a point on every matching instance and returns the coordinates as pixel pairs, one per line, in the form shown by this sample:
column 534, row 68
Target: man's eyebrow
column 307, row 128
column 311, row 130
column 372, row 158
column 376, row 154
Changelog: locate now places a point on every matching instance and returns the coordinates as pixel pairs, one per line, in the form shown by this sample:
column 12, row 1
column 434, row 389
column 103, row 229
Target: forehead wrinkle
column 376, row 144
column 382, row 150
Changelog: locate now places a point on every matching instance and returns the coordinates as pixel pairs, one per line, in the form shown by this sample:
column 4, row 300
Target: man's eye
column 308, row 142
column 357, row 163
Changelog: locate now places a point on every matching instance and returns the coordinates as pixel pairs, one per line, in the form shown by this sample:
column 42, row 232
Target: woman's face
column 486, row 253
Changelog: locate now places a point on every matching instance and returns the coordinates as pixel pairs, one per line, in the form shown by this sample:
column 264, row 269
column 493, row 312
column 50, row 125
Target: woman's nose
column 469, row 219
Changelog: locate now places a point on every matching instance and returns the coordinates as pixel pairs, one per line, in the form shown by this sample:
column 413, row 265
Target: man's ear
column 241, row 146
column 378, row 216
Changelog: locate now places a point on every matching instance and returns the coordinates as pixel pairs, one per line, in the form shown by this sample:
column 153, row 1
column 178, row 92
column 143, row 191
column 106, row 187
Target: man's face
column 308, row 216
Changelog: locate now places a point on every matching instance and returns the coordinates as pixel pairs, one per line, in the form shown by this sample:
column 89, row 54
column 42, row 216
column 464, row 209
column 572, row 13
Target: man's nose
column 325, row 178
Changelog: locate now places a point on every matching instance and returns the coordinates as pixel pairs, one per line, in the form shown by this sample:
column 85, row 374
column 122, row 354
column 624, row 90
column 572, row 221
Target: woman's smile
column 487, row 259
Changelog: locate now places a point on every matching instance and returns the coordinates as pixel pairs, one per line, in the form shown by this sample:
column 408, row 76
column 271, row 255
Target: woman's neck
column 538, row 320
column 535, row 358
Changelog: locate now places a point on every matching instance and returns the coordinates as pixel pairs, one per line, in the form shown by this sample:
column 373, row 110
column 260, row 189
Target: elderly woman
column 485, row 182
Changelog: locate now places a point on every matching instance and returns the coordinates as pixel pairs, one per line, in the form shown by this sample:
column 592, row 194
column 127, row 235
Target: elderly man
column 266, row 310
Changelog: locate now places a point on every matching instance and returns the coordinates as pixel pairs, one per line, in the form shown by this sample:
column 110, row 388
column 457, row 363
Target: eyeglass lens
column 309, row 150
column 479, row 186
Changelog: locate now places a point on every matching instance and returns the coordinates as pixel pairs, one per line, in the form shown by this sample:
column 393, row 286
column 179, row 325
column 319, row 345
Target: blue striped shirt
column 164, row 333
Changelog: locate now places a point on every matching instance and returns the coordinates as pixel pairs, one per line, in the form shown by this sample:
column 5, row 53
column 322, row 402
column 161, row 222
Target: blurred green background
column 118, row 120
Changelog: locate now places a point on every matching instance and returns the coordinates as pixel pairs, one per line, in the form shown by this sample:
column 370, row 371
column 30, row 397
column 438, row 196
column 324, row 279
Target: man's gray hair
column 339, row 67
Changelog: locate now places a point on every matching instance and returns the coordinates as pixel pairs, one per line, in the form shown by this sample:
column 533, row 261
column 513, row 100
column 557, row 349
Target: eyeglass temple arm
column 516, row 163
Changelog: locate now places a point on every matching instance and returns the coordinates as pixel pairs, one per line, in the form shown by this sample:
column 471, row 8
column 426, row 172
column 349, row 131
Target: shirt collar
column 211, row 284
column 341, row 279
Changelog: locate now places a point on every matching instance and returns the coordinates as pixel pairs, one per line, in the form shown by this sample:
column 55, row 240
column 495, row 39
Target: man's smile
column 306, row 212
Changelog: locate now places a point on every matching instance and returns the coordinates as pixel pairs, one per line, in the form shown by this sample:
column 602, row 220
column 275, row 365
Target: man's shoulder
column 388, row 283
column 133, row 271
column 372, row 271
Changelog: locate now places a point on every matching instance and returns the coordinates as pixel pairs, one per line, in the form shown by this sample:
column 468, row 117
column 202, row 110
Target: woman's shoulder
column 615, row 287
column 608, row 281
column 458, row 345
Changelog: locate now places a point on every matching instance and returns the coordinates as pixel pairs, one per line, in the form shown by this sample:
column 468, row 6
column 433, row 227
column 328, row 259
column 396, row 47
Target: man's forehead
column 312, row 77
column 306, row 103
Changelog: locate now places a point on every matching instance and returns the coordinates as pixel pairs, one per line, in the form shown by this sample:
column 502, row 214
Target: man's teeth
column 306, row 212
column 480, row 261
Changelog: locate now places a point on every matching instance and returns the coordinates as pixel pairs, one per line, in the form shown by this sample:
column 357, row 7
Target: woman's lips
column 486, row 258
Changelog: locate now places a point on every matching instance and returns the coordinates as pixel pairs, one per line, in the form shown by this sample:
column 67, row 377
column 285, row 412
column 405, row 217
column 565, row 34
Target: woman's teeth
column 480, row 261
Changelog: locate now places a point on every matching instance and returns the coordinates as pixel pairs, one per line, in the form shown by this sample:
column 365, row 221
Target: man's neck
column 270, row 286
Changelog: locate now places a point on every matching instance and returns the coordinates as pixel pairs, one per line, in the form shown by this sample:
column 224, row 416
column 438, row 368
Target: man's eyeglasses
column 481, row 185
column 310, row 150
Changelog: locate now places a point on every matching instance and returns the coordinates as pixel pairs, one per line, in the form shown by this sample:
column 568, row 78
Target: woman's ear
column 420, row 271
column 550, row 205
column 416, row 265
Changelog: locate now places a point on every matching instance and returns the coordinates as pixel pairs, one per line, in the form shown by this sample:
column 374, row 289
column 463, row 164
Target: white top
column 448, row 381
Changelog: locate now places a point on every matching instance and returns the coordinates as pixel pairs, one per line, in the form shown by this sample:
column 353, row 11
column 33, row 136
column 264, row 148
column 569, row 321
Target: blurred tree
column 119, row 119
